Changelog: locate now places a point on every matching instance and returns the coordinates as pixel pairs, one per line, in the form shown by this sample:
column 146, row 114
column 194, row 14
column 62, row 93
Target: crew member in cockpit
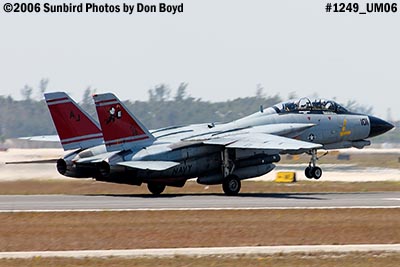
column 290, row 107
column 330, row 106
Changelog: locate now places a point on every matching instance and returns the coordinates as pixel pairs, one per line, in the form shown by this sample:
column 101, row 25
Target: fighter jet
column 124, row 151
column 222, row 153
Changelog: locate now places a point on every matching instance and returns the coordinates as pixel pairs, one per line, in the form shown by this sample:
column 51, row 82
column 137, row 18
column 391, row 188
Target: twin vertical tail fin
column 74, row 126
column 121, row 129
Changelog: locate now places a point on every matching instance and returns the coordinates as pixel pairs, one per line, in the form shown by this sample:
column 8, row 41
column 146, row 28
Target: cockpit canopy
column 306, row 105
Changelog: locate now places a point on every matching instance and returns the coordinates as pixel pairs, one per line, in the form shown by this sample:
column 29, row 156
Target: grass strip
column 169, row 229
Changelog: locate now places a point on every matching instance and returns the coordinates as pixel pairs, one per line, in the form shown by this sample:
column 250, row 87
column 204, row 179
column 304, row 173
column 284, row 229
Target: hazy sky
column 222, row 48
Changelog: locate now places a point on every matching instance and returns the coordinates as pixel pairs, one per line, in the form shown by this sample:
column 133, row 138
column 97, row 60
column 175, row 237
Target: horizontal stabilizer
column 34, row 161
column 149, row 165
column 42, row 138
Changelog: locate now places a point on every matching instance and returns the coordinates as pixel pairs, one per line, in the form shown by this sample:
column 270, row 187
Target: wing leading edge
column 263, row 141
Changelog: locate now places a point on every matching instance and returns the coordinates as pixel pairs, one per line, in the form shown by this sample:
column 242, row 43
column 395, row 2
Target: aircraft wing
column 149, row 165
column 263, row 141
column 40, row 161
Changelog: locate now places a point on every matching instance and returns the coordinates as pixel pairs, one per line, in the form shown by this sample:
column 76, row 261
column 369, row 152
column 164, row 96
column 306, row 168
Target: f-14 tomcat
column 227, row 153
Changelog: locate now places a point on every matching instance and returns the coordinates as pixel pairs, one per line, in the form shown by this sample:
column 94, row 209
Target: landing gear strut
column 231, row 183
column 312, row 171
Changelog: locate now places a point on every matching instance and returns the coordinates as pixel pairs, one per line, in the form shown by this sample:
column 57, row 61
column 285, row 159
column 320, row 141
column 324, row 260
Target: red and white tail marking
column 74, row 126
column 121, row 129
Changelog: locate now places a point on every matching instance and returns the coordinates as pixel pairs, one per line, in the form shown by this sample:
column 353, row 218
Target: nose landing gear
column 313, row 171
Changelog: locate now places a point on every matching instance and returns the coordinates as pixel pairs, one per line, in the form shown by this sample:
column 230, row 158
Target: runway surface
column 197, row 201
column 195, row 252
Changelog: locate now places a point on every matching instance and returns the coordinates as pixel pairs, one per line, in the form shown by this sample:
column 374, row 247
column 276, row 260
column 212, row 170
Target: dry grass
column 371, row 259
column 163, row 229
column 88, row 186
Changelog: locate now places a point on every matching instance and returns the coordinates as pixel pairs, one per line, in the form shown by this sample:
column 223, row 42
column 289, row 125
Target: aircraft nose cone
column 378, row 126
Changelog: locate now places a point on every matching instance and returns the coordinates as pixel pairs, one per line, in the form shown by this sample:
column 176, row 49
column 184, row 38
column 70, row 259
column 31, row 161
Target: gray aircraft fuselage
column 325, row 123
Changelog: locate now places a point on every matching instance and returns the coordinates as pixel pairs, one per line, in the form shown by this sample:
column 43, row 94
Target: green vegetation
column 24, row 118
column 30, row 117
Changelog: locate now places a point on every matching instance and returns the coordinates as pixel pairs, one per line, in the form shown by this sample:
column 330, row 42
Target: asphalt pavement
column 197, row 201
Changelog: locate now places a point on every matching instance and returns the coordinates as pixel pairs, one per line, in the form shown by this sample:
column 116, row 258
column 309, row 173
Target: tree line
column 164, row 107
column 30, row 116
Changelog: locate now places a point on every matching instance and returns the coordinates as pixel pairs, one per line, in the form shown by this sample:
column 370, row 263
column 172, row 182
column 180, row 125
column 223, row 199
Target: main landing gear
column 156, row 189
column 313, row 171
column 231, row 183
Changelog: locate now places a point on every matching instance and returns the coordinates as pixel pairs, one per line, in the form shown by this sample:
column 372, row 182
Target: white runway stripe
column 170, row 252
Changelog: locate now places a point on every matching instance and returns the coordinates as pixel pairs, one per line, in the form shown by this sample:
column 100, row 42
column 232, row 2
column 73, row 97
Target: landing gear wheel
column 156, row 189
column 231, row 185
column 316, row 172
column 313, row 171
column 307, row 172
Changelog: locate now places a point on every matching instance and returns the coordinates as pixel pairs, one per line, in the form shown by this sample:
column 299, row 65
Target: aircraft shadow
column 303, row 196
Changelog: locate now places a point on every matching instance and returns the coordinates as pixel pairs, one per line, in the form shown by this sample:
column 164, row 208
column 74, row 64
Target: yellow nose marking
column 344, row 132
